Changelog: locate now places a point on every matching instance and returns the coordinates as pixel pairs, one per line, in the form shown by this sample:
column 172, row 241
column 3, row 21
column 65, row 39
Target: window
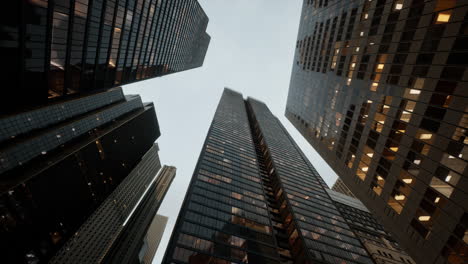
column 443, row 17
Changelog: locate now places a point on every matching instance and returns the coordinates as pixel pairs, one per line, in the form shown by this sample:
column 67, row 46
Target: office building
column 65, row 179
column 255, row 198
column 52, row 49
column 380, row 245
column 152, row 239
column 340, row 187
column 142, row 229
column 378, row 88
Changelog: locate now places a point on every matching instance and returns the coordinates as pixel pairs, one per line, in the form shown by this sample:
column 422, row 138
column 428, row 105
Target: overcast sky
column 251, row 51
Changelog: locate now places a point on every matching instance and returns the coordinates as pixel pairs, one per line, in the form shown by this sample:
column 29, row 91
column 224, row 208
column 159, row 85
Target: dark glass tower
column 55, row 48
column 379, row 90
column 255, row 198
column 380, row 245
column 66, row 187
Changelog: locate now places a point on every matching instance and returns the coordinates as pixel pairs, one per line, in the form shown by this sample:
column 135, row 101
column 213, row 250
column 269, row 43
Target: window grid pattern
column 389, row 112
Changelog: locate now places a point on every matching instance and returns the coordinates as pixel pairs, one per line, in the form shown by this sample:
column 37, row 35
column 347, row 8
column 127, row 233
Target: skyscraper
column 380, row 245
column 379, row 90
column 56, row 48
column 65, row 179
column 340, row 187
column 152, row 239
column 255, row 198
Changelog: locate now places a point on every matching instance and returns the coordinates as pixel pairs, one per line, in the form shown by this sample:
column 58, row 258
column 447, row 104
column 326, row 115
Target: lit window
column 425, row 136
column 348, row 82
column 414, row 91
column 362, row 33
column 398, row 6
column 380, row 66
column 437, row 199
column 407, row 181
column 353, row 65
column 357, row 49
column 441, row 187
column 399, row 197
column 366, row 16
column 424, row 218
column 365, row 168
column 394, row 149
column 443, row 17
column 370, row 154
column 374, row 86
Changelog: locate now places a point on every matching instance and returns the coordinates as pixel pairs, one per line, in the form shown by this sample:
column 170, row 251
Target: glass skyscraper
column 255, row 198
column 78, row 162
column 68, row 191
column 379, row 89
column 56, row 48
column 380, row 245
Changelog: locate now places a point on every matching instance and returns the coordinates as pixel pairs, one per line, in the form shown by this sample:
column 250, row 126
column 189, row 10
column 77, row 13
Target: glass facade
column 254, row 198
column 378, row 89
column 45, row 199
column 379, row 244
column 58, row 48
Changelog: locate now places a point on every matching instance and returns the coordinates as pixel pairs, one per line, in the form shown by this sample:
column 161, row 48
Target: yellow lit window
column 377, row 189
column 399, row 197
column 408, row 181
column 380, row 66
column 443, row 17
column 398, row 6
column 414, row 91
column 374, row 86
column 425, row 136
column 424, row 218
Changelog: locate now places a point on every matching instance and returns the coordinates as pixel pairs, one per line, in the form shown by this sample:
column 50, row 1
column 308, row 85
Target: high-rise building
column 143, row 225
column 66, row 181
column 255, row 198
column 378, row 88
column 340, row 187
column 380, row 245
column 152, row 239
column 52, row 49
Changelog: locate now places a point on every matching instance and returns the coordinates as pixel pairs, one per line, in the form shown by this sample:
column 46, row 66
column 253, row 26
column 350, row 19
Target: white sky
column 251, row 51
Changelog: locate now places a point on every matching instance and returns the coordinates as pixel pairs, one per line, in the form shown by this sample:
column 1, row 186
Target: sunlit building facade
column 255, row 198
column 56, row 48
column 68, row 192
column 378, row 88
